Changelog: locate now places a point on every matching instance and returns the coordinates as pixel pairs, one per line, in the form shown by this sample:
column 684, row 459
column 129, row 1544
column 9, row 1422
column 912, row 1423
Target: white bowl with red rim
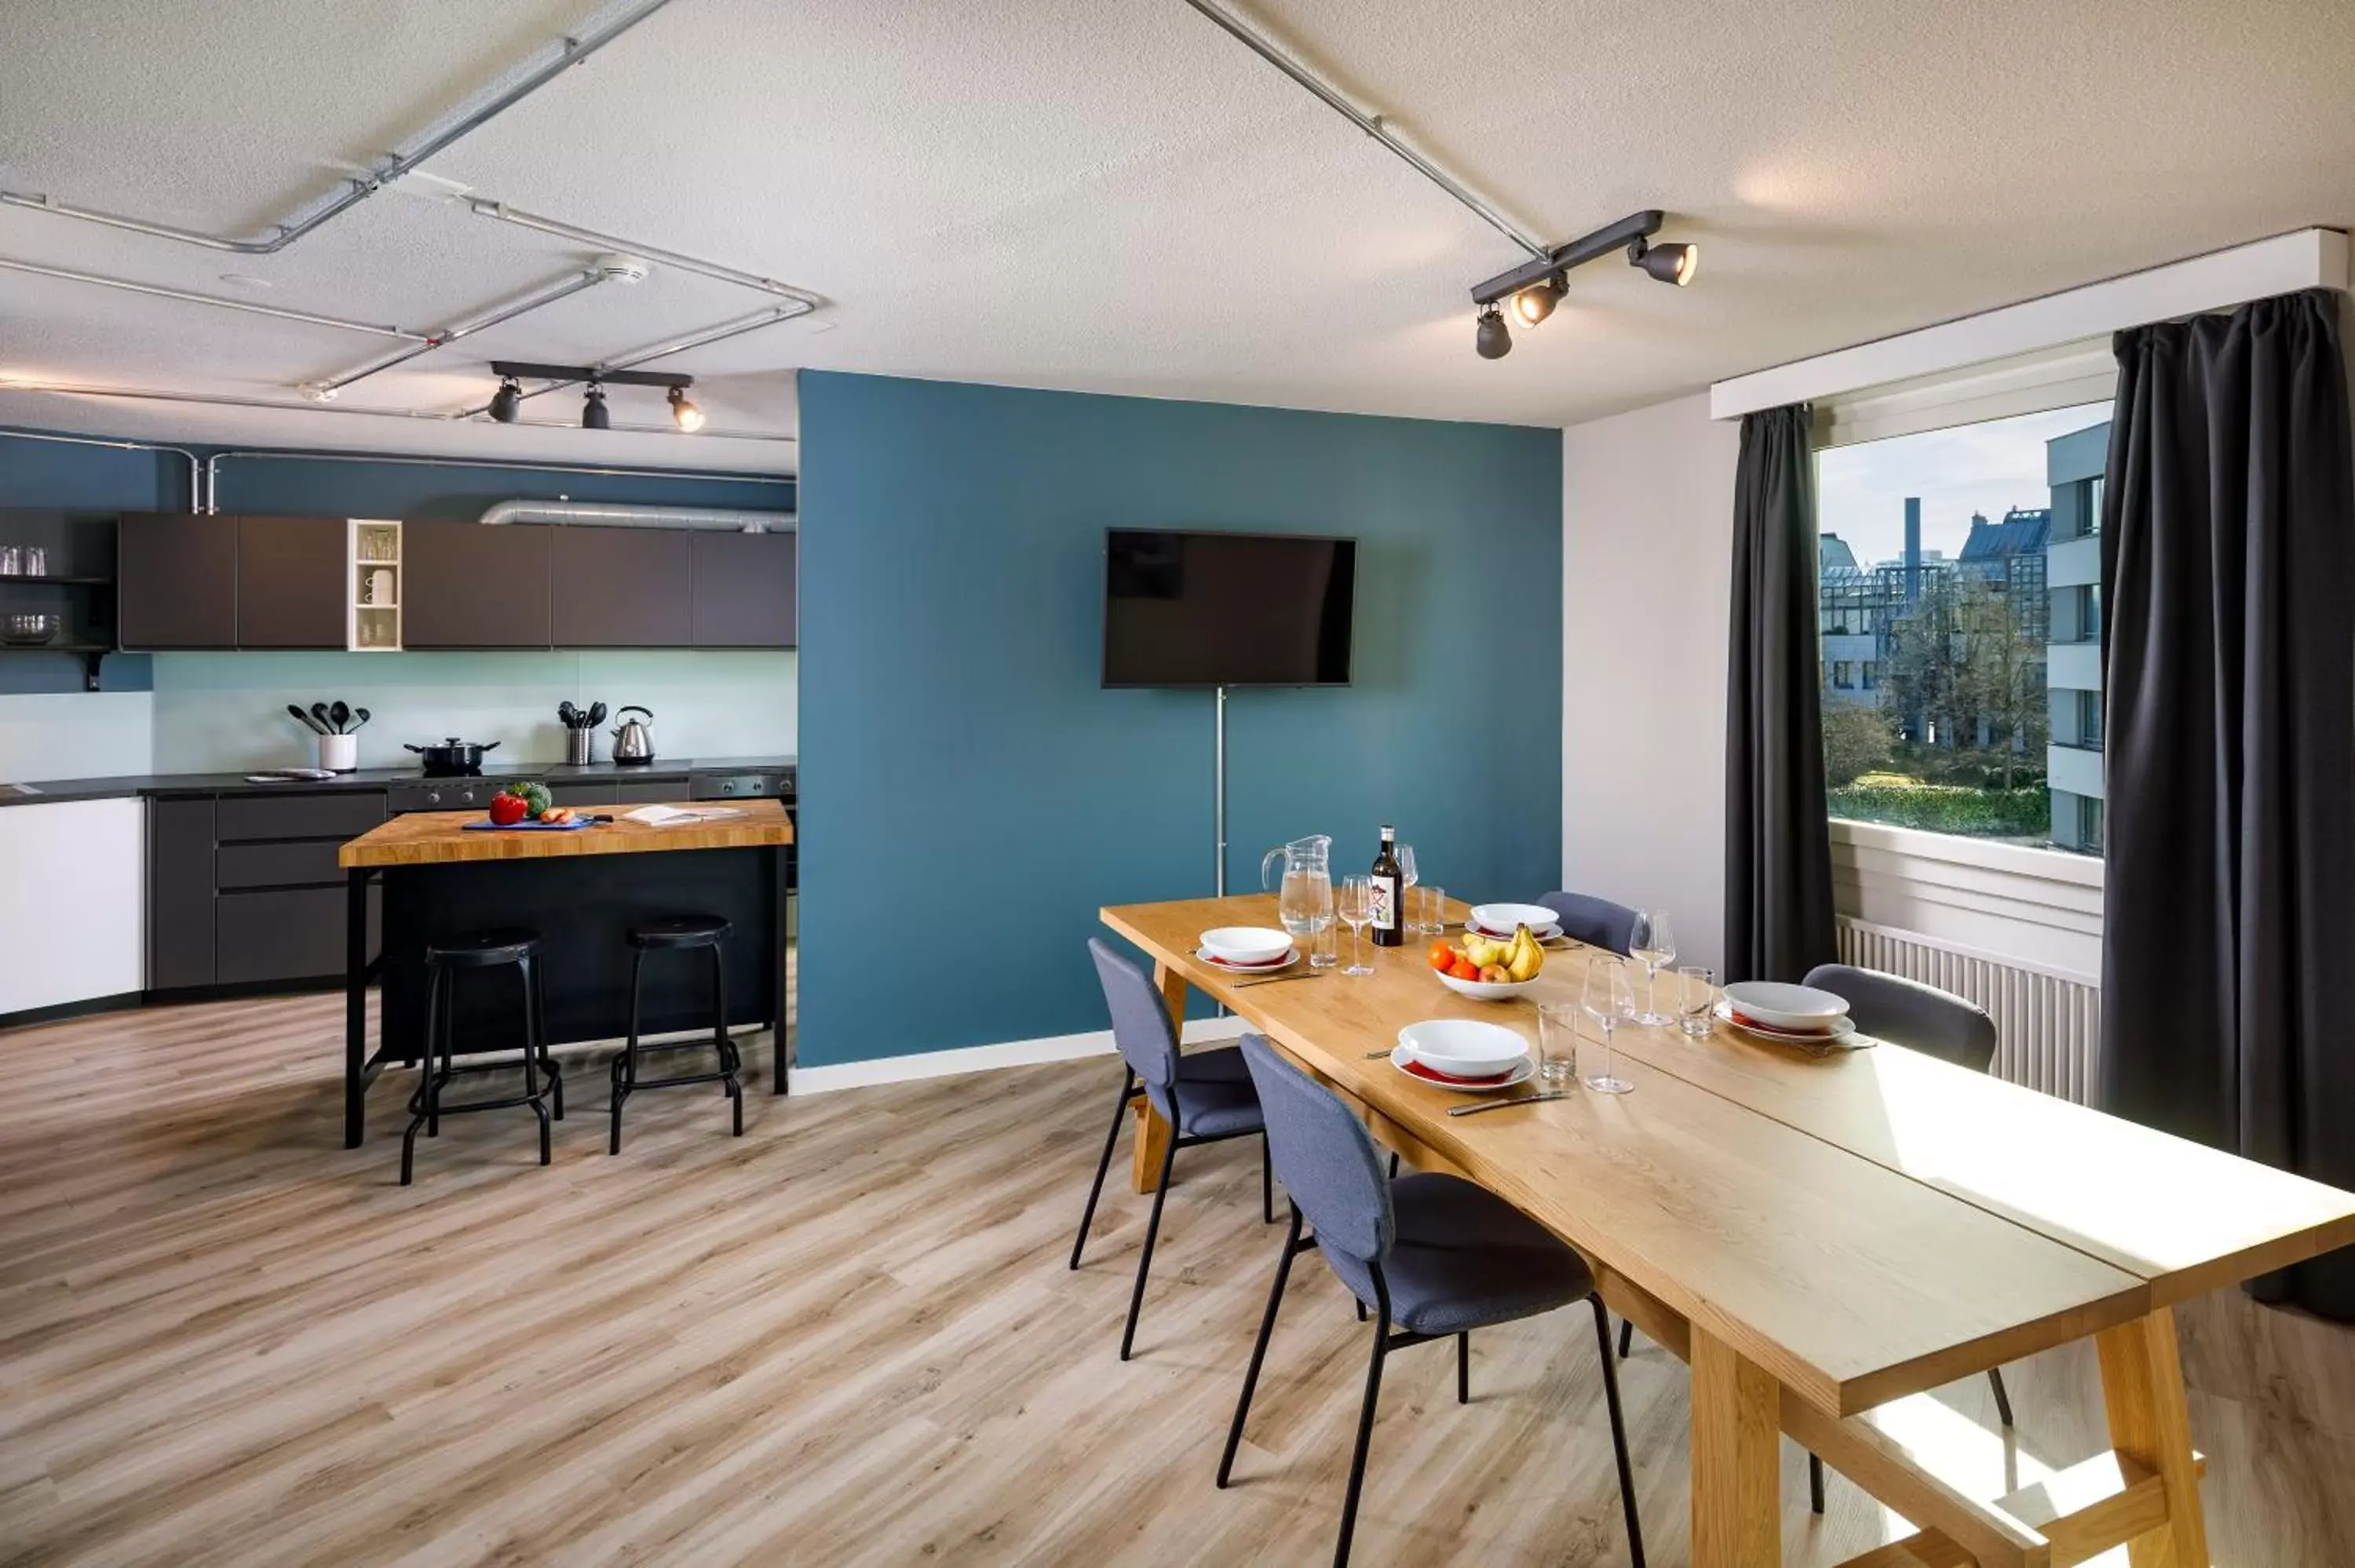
column 1247, row 946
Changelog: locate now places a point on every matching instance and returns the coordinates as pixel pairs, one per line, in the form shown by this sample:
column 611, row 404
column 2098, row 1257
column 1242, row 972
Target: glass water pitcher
column 1304, row 895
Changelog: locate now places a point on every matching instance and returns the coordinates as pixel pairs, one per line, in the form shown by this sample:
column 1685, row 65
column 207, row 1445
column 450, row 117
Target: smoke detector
column 618, row 269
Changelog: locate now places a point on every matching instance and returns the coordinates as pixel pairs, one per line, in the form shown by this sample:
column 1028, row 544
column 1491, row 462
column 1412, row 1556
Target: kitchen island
column 581, row 891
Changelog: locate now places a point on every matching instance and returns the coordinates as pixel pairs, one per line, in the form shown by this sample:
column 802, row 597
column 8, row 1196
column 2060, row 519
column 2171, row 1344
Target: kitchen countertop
column 48, row 791
column 444, row 838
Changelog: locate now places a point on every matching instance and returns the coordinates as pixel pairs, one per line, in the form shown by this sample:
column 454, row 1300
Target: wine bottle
column 1388, row 923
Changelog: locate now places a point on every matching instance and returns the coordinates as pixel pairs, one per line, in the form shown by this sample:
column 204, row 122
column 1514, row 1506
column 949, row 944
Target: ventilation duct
column 609, row 514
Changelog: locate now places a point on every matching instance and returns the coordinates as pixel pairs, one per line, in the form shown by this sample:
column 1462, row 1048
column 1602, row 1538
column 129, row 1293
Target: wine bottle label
column 1386, row 903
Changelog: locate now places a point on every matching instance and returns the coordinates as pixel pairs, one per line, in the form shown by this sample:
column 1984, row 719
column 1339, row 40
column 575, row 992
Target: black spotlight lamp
column 683, row 413
column 506, row 403
column 593, row 413
column 1493, row 338
column 1537, row 301
column 1668, row 263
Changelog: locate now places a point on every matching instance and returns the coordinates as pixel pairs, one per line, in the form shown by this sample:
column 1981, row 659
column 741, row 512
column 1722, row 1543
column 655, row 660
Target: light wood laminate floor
column 846, row 1338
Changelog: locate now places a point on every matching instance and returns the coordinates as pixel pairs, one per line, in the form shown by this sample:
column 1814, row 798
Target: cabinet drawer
column 311, row 863
column 344, row 814
column 595, row 793
column 295, row 934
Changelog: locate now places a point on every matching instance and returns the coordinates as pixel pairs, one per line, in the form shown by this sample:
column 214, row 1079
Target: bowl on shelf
column 31, row 629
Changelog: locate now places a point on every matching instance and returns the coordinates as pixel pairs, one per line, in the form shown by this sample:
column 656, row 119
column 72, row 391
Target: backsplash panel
column 220, row 712
column 76, row 734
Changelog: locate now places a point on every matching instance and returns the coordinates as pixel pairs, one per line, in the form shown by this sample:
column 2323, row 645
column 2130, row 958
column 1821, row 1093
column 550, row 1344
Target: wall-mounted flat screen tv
column 1227, row 609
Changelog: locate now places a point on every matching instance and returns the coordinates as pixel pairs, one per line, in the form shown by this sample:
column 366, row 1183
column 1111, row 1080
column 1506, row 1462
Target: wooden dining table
column 1818, row 1234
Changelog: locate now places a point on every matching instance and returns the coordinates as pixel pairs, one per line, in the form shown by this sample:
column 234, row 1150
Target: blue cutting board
column 487, row 826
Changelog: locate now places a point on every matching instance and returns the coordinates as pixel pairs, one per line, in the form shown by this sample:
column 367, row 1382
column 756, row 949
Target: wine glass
column 1609, row 996
column 1355, row 901
column 1407, row 879
column 1653, row 944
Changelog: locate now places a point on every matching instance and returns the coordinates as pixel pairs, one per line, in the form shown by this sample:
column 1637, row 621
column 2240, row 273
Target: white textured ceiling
column 1117, row 197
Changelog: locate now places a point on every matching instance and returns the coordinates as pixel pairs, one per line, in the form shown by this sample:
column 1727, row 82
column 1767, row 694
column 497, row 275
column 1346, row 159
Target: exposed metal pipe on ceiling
column 250, row 307
column 1373, row 125
column 198, row 500
column 468, row 117
column 484, row 207
column 613, row 514
column 604, row 270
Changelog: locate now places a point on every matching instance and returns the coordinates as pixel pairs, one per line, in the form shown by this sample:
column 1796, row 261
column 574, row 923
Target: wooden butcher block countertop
column 441, row 838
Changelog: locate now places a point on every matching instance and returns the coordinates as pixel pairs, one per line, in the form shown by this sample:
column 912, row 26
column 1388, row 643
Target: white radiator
column 2048, row 1021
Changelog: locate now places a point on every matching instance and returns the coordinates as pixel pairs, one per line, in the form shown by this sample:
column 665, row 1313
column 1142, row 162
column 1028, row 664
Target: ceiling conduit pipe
column 250, row 307
column 610, row 515
column 604, row 270
column 468, row 117
column 484, row 207
column 212, row 468
column 198, row 474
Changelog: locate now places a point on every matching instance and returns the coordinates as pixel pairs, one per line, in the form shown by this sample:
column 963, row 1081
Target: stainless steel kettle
column 633, row 742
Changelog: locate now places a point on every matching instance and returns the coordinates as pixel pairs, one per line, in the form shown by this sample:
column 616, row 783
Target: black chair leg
column 1145, row 1258
column 1815, row 1483
column 625, row 1066
column 1618, row 1431
column 1112, row 1139
column 1463, row 1368
column 1626, row 1336
column 1364, row 1432
column 2002, row 1399
column 1267, row 1186
column 1394, row 1164
column 1259, row 1346
column 725, row 1046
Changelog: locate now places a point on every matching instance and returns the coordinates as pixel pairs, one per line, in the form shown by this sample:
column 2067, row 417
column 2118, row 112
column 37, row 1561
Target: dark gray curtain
column 1778, row 860
column 2228, row 583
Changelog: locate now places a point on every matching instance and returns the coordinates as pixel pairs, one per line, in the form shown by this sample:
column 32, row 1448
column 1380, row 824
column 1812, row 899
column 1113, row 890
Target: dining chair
column 1432, row 1254
column 1920, row 1018
column 1597, row 922
column 1205, row 1095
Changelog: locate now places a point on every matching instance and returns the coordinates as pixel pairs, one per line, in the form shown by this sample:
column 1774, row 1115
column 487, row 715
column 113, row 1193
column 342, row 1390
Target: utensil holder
column 578, row 743
column 339, row 753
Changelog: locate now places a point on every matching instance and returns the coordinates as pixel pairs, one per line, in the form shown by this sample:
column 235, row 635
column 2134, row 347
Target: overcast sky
column 1989, row 468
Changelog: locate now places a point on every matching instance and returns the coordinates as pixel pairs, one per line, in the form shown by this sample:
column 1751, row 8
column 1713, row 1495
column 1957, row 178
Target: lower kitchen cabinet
column 278, row 934
column 70, row 929
column 179, row 893
column 244, row 889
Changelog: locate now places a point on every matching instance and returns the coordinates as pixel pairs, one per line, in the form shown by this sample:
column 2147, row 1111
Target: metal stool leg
column 539, row 1002
column 727, row 1048
column 1626, row 1336
column 441, row 1028
column 1618, row 1431
column 1815, row 1483
column 625, row 1066
column 2002, row 1399
column 425, row 1066
column 531, row 1054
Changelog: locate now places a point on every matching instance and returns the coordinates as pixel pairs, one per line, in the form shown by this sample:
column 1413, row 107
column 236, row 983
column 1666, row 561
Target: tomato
column 507, row 809
column 1442, row 955
column 1465, row 968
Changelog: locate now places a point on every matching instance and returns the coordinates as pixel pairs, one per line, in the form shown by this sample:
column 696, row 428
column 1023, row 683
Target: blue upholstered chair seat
column 1215, row 1097
column 1463, row 1259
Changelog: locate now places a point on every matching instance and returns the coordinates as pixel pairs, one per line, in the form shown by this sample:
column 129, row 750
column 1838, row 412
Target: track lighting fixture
column 1669, row 263
column 593, row 413
column 1493, row 339
column 1537, row 301
column 683, row 413
column 1536, row 287
column 506, row 403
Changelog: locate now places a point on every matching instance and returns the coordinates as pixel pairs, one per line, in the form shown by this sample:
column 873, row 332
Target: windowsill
column 1953, row 849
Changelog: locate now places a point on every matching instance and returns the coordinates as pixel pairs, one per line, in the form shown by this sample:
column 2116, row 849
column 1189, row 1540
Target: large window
column 1959, row 608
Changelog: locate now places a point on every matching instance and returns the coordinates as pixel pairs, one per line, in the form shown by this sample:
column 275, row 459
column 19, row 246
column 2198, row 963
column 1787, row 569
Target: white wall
column 1646, row 559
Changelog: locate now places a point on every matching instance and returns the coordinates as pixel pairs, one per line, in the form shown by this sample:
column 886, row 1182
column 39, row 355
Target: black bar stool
column 678, row 933
column 444, row 957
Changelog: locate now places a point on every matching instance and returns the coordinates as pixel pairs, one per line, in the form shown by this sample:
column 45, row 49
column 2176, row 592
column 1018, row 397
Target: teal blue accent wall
column 970, row 794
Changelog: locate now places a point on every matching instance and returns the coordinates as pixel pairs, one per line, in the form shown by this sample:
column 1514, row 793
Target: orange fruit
column 1441, row 956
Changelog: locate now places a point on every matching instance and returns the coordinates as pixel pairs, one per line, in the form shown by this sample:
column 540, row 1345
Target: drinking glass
column 1609, row 997
column 1653, row 944
column 37, row 561
column 1557, row 1042
column 1695, row 998
column 1355, row 898
column 12, row 561
column 1434, row 905
column 1325, row 946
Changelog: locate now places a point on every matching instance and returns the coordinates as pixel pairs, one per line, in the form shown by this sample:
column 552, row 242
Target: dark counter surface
column 56, row 789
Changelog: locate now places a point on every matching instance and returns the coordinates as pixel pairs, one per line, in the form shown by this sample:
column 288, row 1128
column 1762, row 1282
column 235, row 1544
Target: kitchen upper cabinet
column 177, row 581
column 624, row 588
column 290, row 582
column 466, row 586
column 744, row 589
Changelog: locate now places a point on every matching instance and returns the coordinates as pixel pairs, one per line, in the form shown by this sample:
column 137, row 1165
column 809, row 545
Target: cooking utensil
column 1500, row 1104
column 569, row 713
column 319, row 712
column 453, row 757
column 342, row 715
column 360, row 716
column 596, row 713
column 305, row 720
column 633, row 742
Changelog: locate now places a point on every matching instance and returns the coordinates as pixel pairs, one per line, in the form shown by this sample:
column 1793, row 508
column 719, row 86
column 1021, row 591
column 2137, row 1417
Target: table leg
column 1153, row 1131
column 1737, row 1516
column 356, row 1007
column 2142, row 1387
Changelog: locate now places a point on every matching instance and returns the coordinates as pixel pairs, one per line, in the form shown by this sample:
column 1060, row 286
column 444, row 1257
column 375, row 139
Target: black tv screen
column 1227, row 609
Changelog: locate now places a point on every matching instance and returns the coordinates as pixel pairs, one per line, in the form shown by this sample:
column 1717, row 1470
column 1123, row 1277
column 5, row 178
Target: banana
column 1526, row 957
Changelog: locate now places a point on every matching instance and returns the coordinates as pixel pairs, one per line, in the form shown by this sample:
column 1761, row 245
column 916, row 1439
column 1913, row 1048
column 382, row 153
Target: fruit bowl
column 1487, row 991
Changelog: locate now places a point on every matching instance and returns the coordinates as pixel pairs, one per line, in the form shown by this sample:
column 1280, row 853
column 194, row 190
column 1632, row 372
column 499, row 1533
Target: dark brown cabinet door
column 290, row 582
column 179, row 894
column 624, row 587
column 744, row 589
column 177, row 581
column 465, row 586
